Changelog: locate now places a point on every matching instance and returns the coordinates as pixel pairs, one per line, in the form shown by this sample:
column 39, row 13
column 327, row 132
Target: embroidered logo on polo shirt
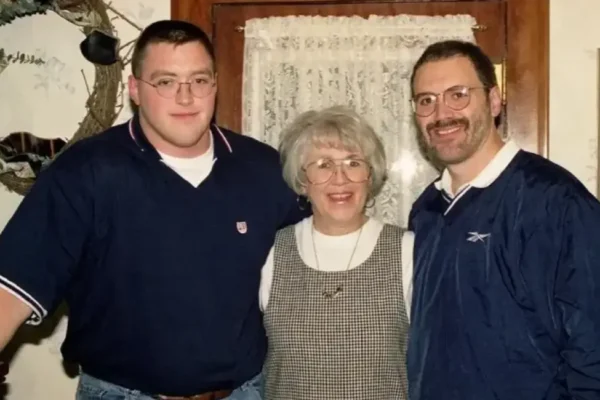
column 478, row 237
column 241, row 226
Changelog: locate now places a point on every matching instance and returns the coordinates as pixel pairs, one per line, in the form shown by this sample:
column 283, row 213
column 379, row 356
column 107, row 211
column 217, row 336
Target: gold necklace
column 340, row 286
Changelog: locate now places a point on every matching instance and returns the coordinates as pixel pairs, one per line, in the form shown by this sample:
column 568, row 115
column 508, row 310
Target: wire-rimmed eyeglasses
column 321, row 171
column 456, row 98
column 168, row 88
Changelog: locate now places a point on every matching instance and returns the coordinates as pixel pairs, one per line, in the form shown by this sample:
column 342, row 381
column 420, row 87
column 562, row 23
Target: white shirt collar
column 191, row 163
column 488, row 175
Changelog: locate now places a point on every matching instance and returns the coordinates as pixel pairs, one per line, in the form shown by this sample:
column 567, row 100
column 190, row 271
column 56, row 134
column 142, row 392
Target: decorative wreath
column 102, row 105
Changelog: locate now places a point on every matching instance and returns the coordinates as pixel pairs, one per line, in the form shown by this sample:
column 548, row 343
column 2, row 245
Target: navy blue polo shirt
column 506, row 295
column 161, row 278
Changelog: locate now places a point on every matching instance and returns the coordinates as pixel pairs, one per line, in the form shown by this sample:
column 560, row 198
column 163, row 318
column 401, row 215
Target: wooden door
column 522, row 49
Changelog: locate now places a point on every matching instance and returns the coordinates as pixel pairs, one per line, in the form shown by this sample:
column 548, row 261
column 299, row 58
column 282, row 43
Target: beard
column 443, row 152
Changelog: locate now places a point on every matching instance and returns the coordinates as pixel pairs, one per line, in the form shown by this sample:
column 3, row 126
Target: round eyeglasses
column 168, row 88
column 456, row 98
column 322, row 170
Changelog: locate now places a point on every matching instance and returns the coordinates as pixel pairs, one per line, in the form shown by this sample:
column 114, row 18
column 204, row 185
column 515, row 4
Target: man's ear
column 495, row 98
column 133, row 86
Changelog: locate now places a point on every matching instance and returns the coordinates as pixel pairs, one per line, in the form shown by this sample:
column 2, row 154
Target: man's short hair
column 455, row 48
column 168, row 31
column 484, row 67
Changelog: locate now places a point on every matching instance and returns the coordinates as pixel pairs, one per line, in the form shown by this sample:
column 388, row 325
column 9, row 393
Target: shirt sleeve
column 577, row 296
column 266, row 281
column 42, row 242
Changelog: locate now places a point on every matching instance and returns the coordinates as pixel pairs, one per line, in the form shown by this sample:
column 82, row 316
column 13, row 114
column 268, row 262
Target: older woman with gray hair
column 335, row 288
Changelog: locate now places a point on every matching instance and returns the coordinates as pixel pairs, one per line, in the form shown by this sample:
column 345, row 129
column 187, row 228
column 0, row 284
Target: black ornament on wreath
column 100, row 47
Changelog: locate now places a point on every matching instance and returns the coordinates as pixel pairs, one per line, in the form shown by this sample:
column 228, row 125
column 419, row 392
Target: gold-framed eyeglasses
column 168, row 87
column 456, row 98
column 321, row 171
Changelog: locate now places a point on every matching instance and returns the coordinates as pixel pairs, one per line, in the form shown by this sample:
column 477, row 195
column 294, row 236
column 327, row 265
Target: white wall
column 574, row 87
column 48, row 101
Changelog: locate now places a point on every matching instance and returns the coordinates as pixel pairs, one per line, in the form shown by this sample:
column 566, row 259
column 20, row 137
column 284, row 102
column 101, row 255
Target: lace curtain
column 296, row 63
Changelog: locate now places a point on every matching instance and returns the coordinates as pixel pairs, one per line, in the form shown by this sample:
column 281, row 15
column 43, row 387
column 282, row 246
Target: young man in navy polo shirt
column 154, row 232
column 506, row 299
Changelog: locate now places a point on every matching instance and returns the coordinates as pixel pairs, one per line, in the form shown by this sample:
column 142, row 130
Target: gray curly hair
column 331, row 127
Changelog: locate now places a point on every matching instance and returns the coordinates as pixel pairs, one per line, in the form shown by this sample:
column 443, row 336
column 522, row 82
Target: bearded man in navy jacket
column 506, row 299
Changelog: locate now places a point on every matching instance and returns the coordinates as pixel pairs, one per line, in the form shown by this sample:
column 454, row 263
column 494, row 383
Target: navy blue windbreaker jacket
column 506, row 299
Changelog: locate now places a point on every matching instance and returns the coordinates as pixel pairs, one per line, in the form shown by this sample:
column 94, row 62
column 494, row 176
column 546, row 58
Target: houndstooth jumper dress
column 349, row 347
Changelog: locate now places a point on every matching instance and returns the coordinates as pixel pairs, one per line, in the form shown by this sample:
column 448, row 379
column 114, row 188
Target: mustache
column 448, row 123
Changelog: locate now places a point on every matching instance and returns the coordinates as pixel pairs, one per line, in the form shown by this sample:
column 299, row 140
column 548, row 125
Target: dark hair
column 456, row 48
column 168, row 31
column 484, row 67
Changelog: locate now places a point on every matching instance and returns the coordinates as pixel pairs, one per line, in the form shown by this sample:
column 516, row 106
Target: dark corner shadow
column 34, row 335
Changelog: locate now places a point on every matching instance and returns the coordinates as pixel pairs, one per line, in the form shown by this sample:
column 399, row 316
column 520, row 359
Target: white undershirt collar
column 487, row 176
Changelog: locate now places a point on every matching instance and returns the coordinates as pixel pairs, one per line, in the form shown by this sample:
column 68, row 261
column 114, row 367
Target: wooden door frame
column 527, row 90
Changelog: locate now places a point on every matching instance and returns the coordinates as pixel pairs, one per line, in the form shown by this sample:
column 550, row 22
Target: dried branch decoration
column 105, row 99
column 12, row 9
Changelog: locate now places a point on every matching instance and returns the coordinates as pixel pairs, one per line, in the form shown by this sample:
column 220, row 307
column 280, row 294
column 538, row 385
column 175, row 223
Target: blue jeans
column 90, row 388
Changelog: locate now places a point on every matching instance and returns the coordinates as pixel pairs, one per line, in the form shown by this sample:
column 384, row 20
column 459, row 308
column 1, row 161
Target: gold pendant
column 328, row 295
